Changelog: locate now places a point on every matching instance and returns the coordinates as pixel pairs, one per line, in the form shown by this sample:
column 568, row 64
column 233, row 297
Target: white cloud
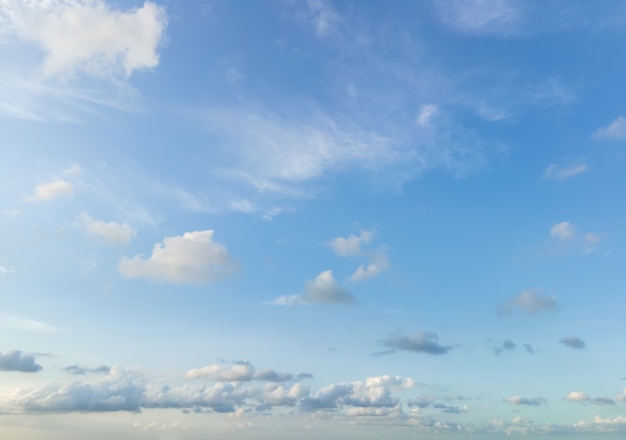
column 530, row 302
column 518, row 400
column 49, row 191
column 189, row 258
column 563, row 231
column 480, row 16
column 558, row 172
column 73, row 170
column 379, row 263
column 322, row 16
column 18, row 361
column 580, row 396
column 616, row 130
column 87, row 35
column 323, row 289
column 427, row 112
column 353, row 246
column 592, row 238
column 241, row 371
column 4, row 270
column 111, row 232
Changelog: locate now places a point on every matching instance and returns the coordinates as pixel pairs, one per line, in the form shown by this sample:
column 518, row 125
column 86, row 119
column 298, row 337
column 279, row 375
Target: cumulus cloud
column 559, row 172
column 572, row 342
column 353, row 246
column 563, row 231
column 18, row 361
column 530, row 302
column 52, row 190
column 88, row 36
column 518, row 400
column 111, row 232
column 580, row 396
column 189, row 258
column 78, row 370
column 241, row 371
column 419, row 342
column 323, row 289
column 615, row 131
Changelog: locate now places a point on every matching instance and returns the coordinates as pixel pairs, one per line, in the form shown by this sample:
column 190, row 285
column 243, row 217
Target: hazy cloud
column 580, row 396
column 419, row 342
column 52, row 190
column 189, row 258
column 518, row 400
column 77, row 370
column 111, row 232
column 530, row 302
column 572, row 342
column 353, row 246
column 615, row 131
column 559, row 172
column 25, row 324
column 563, row 230
column 236, row 372
column 18, row 361
column 499, row 17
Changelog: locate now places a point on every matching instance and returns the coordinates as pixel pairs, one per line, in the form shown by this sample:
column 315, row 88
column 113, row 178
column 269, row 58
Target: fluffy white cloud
column 323, row 289
column 558, row 172
column 18, row 361
column 580, row 396
column 616, row 130
column 111, row 232
column 530, row 302
column 353, row 246
column 563, row 230
column 189, row 258
column 87, row 35
column 241, row 371
column 52, row 190
column 379, row 263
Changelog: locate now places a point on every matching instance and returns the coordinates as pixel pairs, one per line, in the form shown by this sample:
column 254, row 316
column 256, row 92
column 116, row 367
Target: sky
column 305, row 218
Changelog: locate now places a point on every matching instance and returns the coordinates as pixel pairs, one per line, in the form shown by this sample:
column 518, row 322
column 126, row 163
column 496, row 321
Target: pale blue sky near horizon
column 241, row 219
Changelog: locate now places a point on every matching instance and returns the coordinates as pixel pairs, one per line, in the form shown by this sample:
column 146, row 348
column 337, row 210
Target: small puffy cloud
column 18, row 361
column 323, row 289
column 111, row 232
column 615, row 131
column 558, row 172
column 563, row 231
column 518, row 400
column 241, row 371
column 353, row 246
column 530, row 302
column 582, row 397
column 189, row 258
column 418, row 342
column 78, row 370
column 88, row 36
column 572, row 342
column 52, row 190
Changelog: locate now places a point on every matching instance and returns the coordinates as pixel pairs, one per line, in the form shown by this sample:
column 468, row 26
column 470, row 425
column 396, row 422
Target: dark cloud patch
column 419, row 342
column 78, row 370
column 573, row 342
column 303, row 376
column 530, row 302
column 508, row 346
column 18, row 361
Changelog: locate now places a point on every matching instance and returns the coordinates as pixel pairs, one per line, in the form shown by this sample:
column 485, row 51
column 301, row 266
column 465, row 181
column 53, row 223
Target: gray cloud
column 77, row 370
column 419, row 342
column 18, row 361
column 530, row 302
column 573, row 342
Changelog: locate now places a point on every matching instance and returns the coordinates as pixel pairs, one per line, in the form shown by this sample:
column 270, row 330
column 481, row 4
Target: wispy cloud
column 563, row 231
column 21, row 323
column 530, row 302
column 110, row 232
column 559, row 172
column 615, row 131
column 52, row 190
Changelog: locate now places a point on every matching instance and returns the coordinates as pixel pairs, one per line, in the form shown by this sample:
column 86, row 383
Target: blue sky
column 312, row 218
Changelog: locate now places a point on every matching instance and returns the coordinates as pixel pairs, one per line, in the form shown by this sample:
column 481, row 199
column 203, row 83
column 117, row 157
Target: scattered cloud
column 78, row 370
column 426, row 114
column 4, row 270
column 18, row 361
column 353, row 246
column 52, row 190
column 559, row 172
column 241, row 371
column 418, row 342
column 189, row 258
column 495, row 17
column 563, row 231
column 323, row 289
column 110, row 232
column 530, row 302
column 582, row 397
column 518, row 400
column 322, row 16
column 615, row 131
column 573, row 342
column 592, row 238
